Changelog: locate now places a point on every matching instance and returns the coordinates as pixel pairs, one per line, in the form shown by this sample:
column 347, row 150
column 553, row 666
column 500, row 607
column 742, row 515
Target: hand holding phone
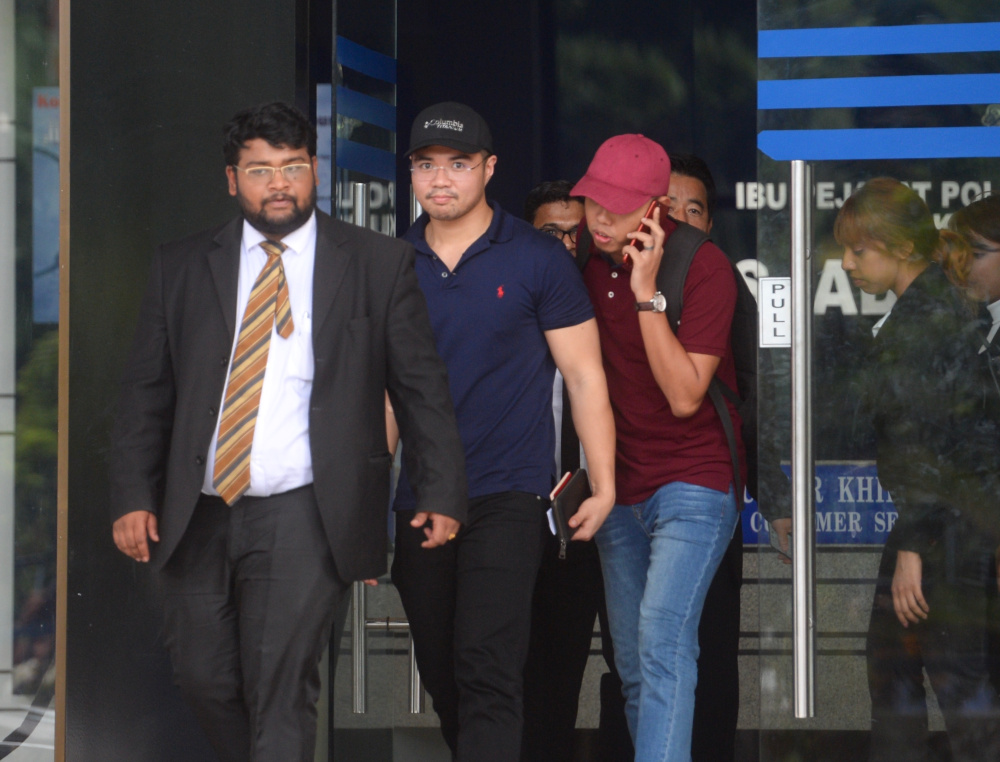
column 643, row 227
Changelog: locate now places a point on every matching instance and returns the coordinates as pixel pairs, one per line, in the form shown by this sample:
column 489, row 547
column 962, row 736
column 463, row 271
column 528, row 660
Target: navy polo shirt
column 489, row 316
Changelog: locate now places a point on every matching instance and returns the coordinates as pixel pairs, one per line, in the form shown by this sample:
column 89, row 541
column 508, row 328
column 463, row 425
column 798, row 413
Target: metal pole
column 361, row 624
column 9, row 220
column 416, row 686
column 360, row 199
column 359, row 647
column 803, row 514
column 415, row 209
column 359, row 631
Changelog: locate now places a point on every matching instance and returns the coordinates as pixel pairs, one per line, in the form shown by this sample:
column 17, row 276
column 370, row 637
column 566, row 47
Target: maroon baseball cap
column 625, row 173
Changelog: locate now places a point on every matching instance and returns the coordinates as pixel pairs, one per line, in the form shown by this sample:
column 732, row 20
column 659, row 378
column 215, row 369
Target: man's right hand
column 438, row 528
column 783, row 528
column 131, row 532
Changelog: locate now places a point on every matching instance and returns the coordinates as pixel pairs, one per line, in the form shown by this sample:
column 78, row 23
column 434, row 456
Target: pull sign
column 775, row 305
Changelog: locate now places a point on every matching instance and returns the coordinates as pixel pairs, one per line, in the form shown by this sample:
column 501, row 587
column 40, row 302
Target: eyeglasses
column 559, row 233
column 453, row 168
column 264, row 175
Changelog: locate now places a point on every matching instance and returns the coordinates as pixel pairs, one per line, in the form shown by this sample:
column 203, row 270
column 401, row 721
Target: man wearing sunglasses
column 507, row 307
column 249, row 462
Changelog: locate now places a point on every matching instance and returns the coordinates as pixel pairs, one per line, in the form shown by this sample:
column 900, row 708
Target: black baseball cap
column 450, row 124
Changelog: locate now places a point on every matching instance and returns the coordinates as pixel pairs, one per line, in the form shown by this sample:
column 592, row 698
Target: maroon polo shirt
column 654, row 446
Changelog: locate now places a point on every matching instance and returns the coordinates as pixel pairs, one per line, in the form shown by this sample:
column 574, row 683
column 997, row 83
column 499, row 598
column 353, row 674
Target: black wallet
column 566, row 499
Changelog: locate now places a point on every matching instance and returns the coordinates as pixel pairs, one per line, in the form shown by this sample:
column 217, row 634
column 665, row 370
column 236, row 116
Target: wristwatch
column 657, row 304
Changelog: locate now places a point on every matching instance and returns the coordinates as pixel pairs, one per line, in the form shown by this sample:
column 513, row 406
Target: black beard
column 278, row 228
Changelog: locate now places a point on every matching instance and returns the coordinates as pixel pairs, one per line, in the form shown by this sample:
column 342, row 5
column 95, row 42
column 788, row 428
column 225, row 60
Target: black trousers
column 951, row 645
column 249, row 599
column 717, row 695
column 469, row 607
column 568, row 594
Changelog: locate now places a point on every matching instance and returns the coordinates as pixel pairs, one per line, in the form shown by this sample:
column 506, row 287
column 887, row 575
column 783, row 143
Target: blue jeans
column 658, row 559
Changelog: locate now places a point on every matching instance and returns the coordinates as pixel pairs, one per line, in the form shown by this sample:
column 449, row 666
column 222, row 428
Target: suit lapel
column 224, row 263
column 332, row 261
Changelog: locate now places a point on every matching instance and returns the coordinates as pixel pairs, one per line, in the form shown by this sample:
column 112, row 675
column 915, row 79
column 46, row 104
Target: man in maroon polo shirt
column 676, row 510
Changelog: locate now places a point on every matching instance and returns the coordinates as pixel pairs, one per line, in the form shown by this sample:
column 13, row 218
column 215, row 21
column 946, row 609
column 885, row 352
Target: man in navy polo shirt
column 507, row 307
column 676, row 512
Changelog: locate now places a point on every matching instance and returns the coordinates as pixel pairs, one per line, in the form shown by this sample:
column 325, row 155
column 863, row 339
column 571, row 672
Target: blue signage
column 45, row 204
column 852, row 508
column 912, row 141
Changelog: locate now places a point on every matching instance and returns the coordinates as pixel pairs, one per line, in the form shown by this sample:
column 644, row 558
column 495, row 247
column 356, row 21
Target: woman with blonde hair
column 926, row 390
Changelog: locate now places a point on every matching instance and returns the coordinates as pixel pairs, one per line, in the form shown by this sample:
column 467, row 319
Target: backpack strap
column 678, row 252
column 716, row 391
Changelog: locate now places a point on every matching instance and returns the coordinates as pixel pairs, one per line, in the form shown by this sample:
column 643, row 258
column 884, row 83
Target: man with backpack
column 677, row 488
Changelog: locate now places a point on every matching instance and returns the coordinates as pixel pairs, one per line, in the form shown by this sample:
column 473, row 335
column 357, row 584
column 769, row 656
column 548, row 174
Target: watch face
column 657, row 304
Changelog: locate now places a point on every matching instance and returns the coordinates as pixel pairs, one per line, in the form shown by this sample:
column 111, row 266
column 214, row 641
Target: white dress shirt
column 280, row 459
column 558, row 389
column 994, row 308
column 878, row 326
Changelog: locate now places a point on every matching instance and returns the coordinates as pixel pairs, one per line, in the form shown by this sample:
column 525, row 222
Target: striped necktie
column 268, row 306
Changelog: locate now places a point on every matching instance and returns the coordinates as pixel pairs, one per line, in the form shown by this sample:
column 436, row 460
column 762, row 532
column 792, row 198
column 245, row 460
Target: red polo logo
column 500, row 292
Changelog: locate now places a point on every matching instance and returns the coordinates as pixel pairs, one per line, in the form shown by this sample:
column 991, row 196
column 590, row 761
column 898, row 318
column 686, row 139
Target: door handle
column 803, row 466
column 360, row 623
column 359, row 648
column 359, row 606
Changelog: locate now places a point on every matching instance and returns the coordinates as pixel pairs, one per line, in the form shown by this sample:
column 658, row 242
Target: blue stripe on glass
column 361, row 158
column 858, row 92
column 878, row 40
column 366, row 61
column 367, row 109
column 889, row 143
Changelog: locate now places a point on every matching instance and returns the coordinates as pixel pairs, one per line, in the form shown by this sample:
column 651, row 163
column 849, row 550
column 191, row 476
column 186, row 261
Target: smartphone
column 643, row 227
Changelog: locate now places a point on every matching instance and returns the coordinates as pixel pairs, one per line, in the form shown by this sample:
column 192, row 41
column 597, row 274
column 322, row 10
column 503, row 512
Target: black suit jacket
column 371, row 332
column 932, row 406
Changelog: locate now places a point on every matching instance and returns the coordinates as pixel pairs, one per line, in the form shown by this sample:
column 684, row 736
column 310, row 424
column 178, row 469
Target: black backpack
column 678, row 252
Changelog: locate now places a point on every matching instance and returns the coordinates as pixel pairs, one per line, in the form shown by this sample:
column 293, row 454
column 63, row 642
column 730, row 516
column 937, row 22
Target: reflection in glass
column 365, row 96
column 924, row 388
column 29, row 301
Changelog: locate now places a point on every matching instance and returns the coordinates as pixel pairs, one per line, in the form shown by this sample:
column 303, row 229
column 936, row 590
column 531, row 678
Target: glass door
column 377, row 706
column 29, row 375
column 849, row 92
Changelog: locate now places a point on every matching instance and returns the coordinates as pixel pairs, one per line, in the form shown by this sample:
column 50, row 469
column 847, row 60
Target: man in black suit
column 254, row 550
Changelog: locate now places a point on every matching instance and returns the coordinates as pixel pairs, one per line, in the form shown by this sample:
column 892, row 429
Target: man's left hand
column 907, row 593
column 588, row 519
column 438, row 528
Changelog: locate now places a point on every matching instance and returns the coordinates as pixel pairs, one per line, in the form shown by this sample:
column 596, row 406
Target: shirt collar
column 296, row 241
column 994, row 309
column 501, row 229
